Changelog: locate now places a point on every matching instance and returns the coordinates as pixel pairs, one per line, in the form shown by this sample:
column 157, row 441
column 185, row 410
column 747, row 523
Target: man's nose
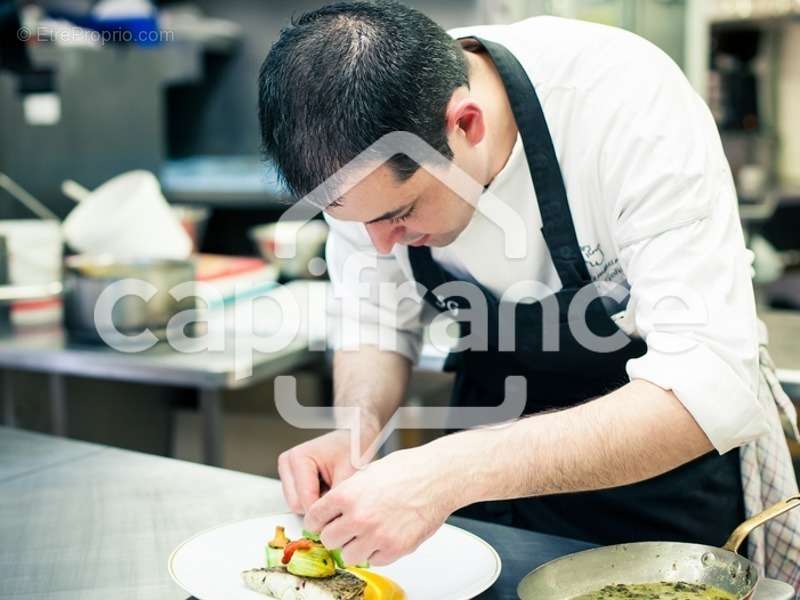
column 385, row 235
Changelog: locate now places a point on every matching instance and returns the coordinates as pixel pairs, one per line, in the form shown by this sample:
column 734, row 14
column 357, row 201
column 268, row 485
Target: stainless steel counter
column 85, row 522
column 209, row 372
column 80, row 521
column 48, row 350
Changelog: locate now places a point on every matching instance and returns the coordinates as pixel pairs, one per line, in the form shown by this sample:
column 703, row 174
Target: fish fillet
column 278, row 583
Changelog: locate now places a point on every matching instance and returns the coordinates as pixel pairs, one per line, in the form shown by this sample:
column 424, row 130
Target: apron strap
column 558, row 228
column 429, row 273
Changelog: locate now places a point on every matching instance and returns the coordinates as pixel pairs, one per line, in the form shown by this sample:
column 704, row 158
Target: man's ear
column 465, row 117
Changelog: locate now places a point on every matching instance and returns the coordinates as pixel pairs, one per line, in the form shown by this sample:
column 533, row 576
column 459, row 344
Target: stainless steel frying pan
column 647, row 562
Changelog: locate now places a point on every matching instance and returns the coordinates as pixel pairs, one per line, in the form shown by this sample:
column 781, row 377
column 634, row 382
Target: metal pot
column 86, row 278
column 647, row 562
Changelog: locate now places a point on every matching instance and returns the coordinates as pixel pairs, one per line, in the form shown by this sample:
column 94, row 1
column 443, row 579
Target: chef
column 611, row 164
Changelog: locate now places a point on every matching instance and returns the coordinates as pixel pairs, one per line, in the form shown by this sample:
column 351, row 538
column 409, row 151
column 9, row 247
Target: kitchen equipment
column 5, row 309
column 647, row 562
column 193, row 219
column 28, row 200
column 453, row 564
column 29, row 305
column 35, row 250
column 751, row 181
column 74, row 190
column 87, row 277
column 26, row 293
column 787, row 84
column 34, row 247
column 127, row 217
column 771, row 589
column 298, row 241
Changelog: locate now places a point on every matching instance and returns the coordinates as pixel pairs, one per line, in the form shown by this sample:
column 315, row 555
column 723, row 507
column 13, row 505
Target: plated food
column 278, row 583
column 662, row 590
column 453, row 564
column 304, row 569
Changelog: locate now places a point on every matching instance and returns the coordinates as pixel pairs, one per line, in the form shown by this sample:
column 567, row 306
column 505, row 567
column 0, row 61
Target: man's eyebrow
column 391, row 214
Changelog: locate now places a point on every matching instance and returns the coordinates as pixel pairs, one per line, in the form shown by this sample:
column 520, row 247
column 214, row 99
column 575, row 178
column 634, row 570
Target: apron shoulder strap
column 558, row 228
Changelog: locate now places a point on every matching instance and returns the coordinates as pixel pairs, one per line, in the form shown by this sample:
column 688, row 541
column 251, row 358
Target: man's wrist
column 465, row 472
column 356, row 417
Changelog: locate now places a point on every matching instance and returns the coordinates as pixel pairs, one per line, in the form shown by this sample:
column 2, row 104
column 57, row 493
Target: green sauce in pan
column 662, row 590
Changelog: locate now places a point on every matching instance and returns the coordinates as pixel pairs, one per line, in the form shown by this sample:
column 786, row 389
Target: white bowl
column 127, row 217
column 290, row 245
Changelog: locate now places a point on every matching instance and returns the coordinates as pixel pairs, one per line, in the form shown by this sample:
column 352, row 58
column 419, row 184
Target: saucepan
column 650, row 562
column 86, row 279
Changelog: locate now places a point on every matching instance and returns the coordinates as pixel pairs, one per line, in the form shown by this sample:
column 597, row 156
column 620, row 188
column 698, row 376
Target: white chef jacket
column 653, row 203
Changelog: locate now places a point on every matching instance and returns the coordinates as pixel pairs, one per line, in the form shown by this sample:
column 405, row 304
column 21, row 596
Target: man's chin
column 441, row 240
column 437, row 240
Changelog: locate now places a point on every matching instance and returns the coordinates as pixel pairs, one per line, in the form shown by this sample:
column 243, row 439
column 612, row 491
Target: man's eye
column 405, row 216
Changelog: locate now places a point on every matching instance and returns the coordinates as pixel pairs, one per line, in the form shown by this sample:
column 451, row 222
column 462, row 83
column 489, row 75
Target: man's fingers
column 341, row 472
column 323, row 511
column 336, row 533
column 381, row 559
column 306, row 480
column 357, row 551
column 288, row 484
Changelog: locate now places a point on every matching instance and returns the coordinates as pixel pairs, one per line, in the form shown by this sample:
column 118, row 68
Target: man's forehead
column 375, row 194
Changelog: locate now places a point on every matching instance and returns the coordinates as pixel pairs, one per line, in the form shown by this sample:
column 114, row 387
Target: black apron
column 701, row 501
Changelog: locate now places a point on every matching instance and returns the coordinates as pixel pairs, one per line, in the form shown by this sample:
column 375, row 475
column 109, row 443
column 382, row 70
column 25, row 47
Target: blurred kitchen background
column 176, row 97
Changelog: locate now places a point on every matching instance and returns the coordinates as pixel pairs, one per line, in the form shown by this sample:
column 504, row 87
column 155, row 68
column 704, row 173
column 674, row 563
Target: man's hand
column 369, row 380
column 308, row 469
column 388, row 509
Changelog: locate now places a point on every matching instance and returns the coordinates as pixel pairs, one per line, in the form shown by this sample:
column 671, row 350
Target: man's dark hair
column 342, row 76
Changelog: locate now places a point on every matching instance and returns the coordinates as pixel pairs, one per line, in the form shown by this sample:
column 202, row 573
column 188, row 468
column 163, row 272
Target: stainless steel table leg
column 58, row 404
column 211, row 407
column 9, row 413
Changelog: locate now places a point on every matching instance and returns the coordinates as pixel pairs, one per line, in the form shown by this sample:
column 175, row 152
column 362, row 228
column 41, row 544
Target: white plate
column 452, row 565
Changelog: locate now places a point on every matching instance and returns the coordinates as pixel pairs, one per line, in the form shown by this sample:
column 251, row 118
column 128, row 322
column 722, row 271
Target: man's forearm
column 637, row 432
column 373, row 380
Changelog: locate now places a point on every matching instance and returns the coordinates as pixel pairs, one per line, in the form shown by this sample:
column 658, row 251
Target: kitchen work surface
column 86, row 522
column 209, row 371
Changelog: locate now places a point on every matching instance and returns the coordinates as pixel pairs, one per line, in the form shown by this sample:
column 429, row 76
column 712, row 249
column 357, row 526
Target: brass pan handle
column 742, row 531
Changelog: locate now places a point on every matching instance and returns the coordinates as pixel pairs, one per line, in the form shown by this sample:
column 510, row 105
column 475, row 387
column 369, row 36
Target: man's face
column 420, row 211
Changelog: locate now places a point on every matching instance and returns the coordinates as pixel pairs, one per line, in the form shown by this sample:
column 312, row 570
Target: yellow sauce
column 378, row 586
column 655, row 591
